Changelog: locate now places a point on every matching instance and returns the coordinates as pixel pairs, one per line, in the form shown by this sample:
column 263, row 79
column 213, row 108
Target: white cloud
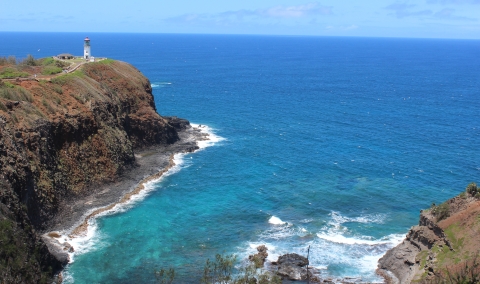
column 448, row 13
column 403, row 10
column 459, row 2
column 297, row 11
column 309, row 10
column 341, row 28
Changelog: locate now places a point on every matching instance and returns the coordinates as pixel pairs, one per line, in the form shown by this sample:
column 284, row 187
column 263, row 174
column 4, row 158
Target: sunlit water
column 332, row 143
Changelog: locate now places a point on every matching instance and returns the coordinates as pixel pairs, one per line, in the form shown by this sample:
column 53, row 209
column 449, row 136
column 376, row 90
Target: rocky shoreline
column 70, row 149
column 295, row 268
column 443, row 244
column 151, row 163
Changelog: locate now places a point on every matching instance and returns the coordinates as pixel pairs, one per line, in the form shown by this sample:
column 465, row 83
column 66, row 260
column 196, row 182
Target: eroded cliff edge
column 442, row 245
column 64, row 139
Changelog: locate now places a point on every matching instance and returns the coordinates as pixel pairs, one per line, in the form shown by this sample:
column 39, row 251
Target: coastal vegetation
column 13, row 92
column 442, row 211
column 11, row 72
column 221, row 270
column 11, row 68
column 443, row 248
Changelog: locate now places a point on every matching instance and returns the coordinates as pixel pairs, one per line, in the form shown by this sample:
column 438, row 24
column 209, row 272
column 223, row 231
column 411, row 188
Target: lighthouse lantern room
column 86, row 49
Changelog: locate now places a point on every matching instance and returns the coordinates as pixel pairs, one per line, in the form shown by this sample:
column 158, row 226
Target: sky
column 366, row 18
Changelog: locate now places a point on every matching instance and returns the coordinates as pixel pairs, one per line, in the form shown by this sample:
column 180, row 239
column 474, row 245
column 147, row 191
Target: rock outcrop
column 444, row 240
column 259, row 258
column 292, row 266
column 60, row 140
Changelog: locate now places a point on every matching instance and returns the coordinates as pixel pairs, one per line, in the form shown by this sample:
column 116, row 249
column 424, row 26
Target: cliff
column 443, row 246
column 63, row 139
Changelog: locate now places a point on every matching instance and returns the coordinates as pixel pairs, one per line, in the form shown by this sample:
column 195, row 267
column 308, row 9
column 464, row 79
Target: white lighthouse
column 86, row 49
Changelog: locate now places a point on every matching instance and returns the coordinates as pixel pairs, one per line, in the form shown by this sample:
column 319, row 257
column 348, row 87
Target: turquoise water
column 341, row 140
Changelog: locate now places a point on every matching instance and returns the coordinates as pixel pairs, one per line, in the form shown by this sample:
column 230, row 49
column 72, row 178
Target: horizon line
column 246, row 34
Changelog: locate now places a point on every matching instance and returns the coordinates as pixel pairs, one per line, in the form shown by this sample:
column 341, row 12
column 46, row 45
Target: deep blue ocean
column 328, row 142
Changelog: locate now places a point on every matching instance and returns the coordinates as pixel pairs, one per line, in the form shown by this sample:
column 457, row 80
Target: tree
column 30, row 61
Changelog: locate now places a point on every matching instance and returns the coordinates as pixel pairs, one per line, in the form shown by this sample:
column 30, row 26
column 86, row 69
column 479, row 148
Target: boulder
column 291, row 266
column 260, row 257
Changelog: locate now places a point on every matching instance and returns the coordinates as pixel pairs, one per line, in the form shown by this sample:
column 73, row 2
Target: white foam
column 91, row 240
column 212, row 137
column 161, row 84
column 282, row 230
column 333, row 245
column 275, row 221
column 388, row 241
column 338, row 219
column 338, row 238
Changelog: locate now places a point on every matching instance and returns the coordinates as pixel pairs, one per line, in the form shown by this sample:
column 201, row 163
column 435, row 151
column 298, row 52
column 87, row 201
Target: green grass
column 58, row 89
column 15, row 94
column 106, row 61
column 8, row 85
column 423, row 258
column 451, row 233
column 50, row 70
column 47, row 61
column 64, row 79
column 11, row 73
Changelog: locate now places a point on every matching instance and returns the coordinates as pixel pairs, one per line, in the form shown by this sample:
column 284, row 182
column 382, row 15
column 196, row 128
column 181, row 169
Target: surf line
column 206, row 135
column 82, row 229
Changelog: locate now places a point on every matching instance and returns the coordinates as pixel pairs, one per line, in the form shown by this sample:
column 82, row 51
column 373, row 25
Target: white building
column 87, row 54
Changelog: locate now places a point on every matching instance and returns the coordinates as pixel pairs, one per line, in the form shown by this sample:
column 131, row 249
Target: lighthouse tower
column 86, row 49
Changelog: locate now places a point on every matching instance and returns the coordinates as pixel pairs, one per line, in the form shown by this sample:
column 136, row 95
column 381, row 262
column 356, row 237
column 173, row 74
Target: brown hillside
column 58, row 140
column 444, row 242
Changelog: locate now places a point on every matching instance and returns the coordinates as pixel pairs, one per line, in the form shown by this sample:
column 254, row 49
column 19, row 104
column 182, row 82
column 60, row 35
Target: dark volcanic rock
column 416, row 258
column 291, row 266
column 62, row 140
column 177, row 123
column 260, row 257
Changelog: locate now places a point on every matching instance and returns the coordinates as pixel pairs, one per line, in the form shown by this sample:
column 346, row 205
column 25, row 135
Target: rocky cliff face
column 58, row 140
column 444, row 241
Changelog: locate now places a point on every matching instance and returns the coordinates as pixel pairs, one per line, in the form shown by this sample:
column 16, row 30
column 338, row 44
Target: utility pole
column 308, row 255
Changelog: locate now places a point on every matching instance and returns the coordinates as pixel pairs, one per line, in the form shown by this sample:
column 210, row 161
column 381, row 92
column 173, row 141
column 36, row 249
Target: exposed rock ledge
column 437, row 245
column 79, row 141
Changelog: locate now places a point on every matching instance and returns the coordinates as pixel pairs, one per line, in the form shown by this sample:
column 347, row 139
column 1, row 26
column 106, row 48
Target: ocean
column 324, row 142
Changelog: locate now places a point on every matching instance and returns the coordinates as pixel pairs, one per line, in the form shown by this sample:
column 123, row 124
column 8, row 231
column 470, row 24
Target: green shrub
column 30, row 61
column 64, row 79
column 472, row 189
column 441, row 211
column 11, row 73
column 50, row 70
column 47, row 61
column 25, row 95
column 8, row 85
column 220, row 270
column 469, row 273
column 61, row 64
column 11, row 60
column 58, row 89
column 16, row 94
column 165, row 276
